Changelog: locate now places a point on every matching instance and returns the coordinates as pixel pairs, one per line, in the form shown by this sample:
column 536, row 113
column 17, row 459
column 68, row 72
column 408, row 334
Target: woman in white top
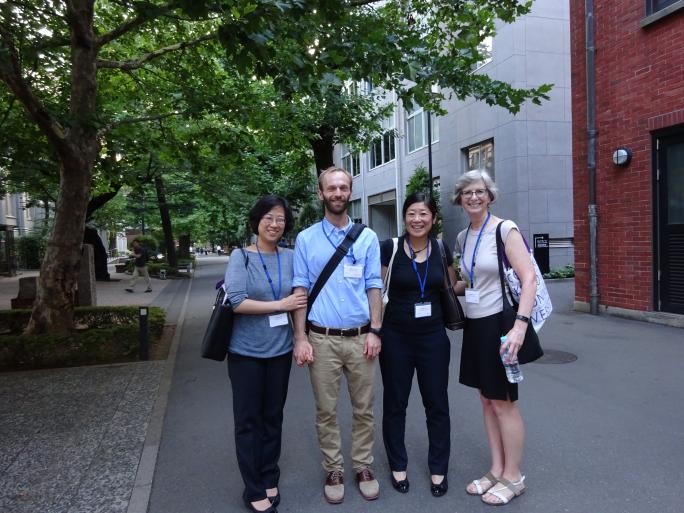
column 481, row 365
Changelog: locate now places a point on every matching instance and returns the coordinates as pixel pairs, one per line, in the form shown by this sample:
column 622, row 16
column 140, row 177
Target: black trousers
column 259, row 393
column 428, row 355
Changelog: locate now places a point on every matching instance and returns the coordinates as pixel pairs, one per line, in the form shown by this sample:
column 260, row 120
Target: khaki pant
column 333, row 357
column 140, row 271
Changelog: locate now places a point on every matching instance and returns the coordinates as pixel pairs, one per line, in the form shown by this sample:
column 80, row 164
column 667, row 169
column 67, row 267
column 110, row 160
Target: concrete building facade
column 529, row 154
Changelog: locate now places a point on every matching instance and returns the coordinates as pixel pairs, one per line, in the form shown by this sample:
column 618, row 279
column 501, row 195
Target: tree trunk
column 53, row 310
column 323, row 147
column 90, row 236
column 184, row 246
column 166, row 222
column 77, row 149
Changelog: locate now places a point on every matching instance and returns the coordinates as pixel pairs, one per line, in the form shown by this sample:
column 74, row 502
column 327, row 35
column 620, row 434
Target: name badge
column 472, row 296
column 423, row 310
column 353, row 271
column 277, row 320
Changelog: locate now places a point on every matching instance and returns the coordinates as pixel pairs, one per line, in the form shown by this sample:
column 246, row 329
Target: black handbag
column 452, row 312
column 531, row 349
column 220, row 327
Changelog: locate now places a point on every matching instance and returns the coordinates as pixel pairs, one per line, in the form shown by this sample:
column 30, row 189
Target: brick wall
column 639, row 89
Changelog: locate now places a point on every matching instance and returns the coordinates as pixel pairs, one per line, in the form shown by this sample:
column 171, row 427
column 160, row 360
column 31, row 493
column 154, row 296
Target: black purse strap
column 445, row 265
column 335, row 259
column 500, row 249
column 222, row 297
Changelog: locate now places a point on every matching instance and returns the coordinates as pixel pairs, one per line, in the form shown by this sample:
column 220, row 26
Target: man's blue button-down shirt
column 342, row 303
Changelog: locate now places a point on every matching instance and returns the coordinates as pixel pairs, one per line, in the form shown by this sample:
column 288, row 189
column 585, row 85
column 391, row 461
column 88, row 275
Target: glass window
column 657, row 5
column 355, row 211
column 10, row 210
column 675, row 184
column 382, row 149
column 485, row 49
column 28, row 210
column 481, row 157
column 416, row 128
column 351, row 161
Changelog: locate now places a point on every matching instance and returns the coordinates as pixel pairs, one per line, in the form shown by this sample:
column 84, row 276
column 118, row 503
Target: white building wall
column 532, row 149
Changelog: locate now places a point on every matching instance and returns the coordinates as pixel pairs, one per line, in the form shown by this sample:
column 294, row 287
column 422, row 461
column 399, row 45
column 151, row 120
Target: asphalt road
column 605, row 433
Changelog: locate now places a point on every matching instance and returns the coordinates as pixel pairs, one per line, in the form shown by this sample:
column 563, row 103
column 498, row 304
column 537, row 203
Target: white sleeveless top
column 486, row 270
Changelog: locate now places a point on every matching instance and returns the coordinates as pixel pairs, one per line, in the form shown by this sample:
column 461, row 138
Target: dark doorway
column 670, row 222
column 8, row 258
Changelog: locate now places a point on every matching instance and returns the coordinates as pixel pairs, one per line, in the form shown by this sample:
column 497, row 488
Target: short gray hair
column 471, row 177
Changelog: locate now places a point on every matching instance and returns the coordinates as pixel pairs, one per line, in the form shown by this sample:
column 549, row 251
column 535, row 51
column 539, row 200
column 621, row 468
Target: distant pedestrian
column 260, row 349
column 414, row 341
column 481, row 365
column 139, row 267
column 342, row 332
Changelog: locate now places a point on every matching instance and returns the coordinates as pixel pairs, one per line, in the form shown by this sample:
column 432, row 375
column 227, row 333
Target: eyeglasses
column 477, row 192
column 280, row 221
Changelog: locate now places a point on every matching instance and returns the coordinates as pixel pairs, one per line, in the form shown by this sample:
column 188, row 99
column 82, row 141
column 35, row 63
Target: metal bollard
column 144, row 334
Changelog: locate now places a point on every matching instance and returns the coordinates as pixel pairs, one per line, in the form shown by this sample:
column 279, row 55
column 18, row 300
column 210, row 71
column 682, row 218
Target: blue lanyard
column 471, row 271
column 350, row 253
column 421, row 282
column 276, row 297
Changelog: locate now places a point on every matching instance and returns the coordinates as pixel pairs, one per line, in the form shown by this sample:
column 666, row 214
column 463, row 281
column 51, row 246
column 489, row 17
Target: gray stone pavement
column 109, row 293
column 604, row 433
column 71, row 439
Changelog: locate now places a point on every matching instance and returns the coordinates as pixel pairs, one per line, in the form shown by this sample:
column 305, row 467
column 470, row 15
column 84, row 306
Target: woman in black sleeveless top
column 414, row 340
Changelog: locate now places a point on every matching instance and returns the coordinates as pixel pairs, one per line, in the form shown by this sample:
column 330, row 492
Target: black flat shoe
column 440, row 489
column 275, row 500
column 400, row 486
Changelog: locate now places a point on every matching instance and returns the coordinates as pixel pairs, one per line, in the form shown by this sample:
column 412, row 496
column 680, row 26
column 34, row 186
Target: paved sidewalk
column 71, row 439
column 109, row 293
column 603, row 433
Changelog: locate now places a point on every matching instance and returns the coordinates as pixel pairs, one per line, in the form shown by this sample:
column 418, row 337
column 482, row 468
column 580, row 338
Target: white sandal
column 482, row 488
column 504, row 485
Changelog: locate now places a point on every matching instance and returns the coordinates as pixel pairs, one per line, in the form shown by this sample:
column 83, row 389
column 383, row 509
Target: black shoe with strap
column 437, row 490
column 400, row 486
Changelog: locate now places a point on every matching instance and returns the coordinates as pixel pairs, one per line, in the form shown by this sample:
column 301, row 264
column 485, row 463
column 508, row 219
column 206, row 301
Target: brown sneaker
column 368, row 485
column 334, row 487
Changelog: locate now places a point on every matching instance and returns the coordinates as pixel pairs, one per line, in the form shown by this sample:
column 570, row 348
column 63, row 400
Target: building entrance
column 382, row 214
column 670, row 222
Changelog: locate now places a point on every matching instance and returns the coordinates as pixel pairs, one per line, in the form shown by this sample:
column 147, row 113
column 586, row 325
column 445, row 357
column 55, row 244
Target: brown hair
column 333, row 169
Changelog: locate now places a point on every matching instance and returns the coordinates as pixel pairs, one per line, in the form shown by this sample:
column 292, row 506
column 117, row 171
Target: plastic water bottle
column 513, row 372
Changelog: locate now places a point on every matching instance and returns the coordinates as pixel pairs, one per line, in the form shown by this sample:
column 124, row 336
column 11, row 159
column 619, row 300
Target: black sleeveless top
column 404, row 290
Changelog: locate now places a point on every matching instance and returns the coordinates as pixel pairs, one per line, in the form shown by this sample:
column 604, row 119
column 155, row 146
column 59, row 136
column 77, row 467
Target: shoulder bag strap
column 501, row 253
column 222, row 297
column 335, row 259
column 445, row 265
column 388, row 276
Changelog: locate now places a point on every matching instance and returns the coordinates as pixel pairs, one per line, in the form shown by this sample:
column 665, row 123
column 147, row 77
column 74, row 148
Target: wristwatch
column 375, row 331
column 522, row 318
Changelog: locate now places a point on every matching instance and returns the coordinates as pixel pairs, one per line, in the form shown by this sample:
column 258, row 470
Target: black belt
column 337, row 332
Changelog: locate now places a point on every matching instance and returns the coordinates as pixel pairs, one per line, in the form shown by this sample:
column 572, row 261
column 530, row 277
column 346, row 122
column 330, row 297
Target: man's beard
column 334, row 209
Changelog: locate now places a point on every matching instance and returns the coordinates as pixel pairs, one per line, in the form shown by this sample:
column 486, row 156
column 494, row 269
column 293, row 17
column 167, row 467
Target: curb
column 142, row 487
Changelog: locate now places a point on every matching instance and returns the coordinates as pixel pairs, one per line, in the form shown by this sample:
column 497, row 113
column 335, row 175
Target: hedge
column 103, row 335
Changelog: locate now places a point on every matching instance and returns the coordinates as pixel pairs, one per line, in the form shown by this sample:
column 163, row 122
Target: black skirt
column 481, row 365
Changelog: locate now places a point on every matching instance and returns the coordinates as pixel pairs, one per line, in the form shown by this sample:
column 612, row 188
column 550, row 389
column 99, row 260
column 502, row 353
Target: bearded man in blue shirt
column 342, row 332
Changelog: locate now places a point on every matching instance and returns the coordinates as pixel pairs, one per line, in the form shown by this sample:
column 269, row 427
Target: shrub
column 149, row 242
column 105, row 335
column 30, row 251
column 562, row 272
